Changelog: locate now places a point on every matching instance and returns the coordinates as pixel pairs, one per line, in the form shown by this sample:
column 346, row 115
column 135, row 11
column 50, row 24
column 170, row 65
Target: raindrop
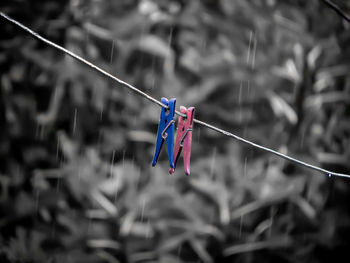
column 112, row 50
column 112, row 164
column 87, row 37
column 254, row 52
column 89, row 226
column 37, row 201
column 143, row 209
column 75, row 120
column 116, row 189
column 212, row 163
column 138, row 178
column 240, row 102
column 329, row 175
column 61, row 160
column 101, row 113
column 53, row 230
column 272, row 213
column 117, row 178
column 17, row 174
column 99, row 141
column 42, row 132
column 58, row 185
column 240, row 94
column 198, row 130
column 240, row 227
column 170, row 37
column 123, row 158
column 57, row 146
column 169, row 62
column 204, row 44
column 148, row 233
column 250, row 42
column 37, row 131
column 179, row 251
column 79, row 171
column 135, row 120
column 302, row 139
column 153, row 73
column 248, row 87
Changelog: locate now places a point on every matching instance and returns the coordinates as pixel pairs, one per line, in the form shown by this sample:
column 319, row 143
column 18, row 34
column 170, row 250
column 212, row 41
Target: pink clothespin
column 184, row 138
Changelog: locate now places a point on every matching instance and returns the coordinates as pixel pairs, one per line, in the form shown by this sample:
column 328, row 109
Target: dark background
column 76, row 184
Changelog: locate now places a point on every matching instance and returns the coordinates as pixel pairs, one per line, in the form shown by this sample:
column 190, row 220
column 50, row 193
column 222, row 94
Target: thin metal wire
column 338, row 10
column 82, row 60
column 150, row 98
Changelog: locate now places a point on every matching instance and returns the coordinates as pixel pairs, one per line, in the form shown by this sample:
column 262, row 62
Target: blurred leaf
column 282, row 108
column 277, row 243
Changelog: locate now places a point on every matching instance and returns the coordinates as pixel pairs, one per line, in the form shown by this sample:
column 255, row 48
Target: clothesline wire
column 150, row 98
column 338, row 10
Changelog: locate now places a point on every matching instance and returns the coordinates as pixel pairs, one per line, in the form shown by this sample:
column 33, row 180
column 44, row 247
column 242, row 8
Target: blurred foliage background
column 76, row 184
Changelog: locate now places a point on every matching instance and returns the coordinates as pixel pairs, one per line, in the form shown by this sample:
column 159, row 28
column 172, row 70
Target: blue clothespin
column 166, row 131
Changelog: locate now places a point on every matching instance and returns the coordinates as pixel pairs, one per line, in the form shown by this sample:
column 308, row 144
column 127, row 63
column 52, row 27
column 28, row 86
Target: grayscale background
column 76, row 182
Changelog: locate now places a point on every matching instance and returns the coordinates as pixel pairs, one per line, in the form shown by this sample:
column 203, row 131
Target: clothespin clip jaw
column 166, row 129
column 184, row 138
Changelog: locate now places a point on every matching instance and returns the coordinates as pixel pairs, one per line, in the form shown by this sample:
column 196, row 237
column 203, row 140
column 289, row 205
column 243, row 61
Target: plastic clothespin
column 166, row 131
column 184, row 138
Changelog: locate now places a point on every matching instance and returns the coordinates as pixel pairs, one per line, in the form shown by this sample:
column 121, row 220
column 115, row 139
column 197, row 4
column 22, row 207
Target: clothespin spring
column 181, row 144
column 164, row 133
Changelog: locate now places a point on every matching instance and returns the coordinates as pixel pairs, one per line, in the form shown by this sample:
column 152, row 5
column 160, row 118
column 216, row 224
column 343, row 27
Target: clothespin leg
column 160, row 140
column 157, row 152
column 187, row 152
column 177, row 151
column 171, row 131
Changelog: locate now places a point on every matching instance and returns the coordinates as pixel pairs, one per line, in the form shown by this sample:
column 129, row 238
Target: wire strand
column 337, row 10
column 150, row 98
column 82, row 60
